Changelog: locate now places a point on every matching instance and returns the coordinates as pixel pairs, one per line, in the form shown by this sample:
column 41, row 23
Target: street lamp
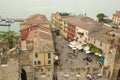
column 18, row 50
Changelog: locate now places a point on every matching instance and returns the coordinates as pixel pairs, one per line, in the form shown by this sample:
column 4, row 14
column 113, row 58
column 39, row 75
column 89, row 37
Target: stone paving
column 68, row 69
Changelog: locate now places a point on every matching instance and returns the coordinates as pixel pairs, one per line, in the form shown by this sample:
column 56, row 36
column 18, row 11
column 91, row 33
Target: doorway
column 118, row 77
column 23, row 75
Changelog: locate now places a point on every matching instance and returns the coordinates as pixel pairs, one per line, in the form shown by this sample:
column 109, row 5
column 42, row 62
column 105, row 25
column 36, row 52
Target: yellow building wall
column 59, row 23
column 39, row 58
column 52, row 59
column 43, row 58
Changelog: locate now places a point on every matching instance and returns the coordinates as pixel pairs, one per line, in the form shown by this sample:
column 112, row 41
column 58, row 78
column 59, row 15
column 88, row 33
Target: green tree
column 101, row 17
column 10, row 36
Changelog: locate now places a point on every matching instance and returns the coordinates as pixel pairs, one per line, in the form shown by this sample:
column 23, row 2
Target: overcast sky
column 24, row 8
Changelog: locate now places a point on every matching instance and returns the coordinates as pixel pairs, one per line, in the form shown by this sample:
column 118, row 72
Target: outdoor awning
column 73, row 43
column 43, row 75
column 89, row 76
column 77, row 75
column 87, row 52
column 4, row 65
column 79, row 46
column 74, row 48
column 86, row 48
column 98, row 54
column 66, row 75
column 71, row 46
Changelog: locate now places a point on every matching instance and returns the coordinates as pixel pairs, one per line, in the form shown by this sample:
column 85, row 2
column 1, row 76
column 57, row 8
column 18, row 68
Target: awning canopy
column 77, row 75
column 87, row 52
column 86, row 48
column 98, row 54
column 71, row 46
column 79, row 46
column 73, row 43
column 74, row 48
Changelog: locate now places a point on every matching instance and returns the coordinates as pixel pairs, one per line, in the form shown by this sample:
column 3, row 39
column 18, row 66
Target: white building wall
column 81, row 39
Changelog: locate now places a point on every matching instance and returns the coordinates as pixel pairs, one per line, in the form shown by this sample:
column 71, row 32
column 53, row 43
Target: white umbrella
column 79, row 46
column 56, row 57
column 77, row 75
column 73, row 43
column 71, row 46
column 86, row 48
column 74, row 48
column 87, row 52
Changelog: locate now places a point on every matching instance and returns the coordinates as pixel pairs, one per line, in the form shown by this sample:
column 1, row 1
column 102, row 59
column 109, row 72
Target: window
column 88, row 39
column 39, row 62
column 94, row 40
column 100, row 43
column 49, row 55
column 34, row 62
column 85, row 39
column 41, row 69
column 36, row 55
column 49, row 61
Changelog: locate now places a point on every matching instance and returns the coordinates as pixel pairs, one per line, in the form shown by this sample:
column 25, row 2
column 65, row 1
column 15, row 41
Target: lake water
column 14, row 26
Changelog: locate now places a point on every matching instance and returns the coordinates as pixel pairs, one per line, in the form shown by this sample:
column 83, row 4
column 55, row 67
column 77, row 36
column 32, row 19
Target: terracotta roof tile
column 102, row 35
column 117, row 13
column 85, row 24
column 72, row 20
column 35, row 19
column 42, row 39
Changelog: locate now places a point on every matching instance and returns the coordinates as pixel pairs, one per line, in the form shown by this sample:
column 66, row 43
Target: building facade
column 37, row 39
column 58, row 22
column 43, row 50
column 69, row 24
column 71, row 32
column 116, row 18
column 108, row 40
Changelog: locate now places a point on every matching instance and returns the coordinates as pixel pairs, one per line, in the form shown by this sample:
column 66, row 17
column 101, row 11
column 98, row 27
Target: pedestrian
column 86, row 63
column 66, row 60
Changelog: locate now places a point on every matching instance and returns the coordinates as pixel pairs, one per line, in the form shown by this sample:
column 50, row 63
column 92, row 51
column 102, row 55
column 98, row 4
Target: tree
column 101, row 17
column 10, row 36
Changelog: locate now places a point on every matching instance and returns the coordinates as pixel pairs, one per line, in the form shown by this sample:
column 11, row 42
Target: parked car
column 87, row 59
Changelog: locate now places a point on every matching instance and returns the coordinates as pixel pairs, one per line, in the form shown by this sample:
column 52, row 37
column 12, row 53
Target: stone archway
column 118, row 77
column 23, row 75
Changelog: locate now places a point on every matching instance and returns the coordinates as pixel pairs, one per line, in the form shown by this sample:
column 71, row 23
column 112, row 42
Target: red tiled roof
column 24, row 33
